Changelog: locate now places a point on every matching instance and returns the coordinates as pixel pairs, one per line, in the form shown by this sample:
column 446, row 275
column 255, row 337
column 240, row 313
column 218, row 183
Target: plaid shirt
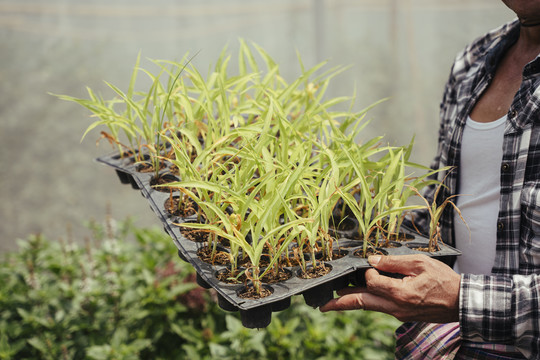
column 504, row 307
column 428, row 341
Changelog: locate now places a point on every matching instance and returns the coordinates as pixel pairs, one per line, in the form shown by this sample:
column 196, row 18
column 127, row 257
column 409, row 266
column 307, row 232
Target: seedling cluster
column 267, row 170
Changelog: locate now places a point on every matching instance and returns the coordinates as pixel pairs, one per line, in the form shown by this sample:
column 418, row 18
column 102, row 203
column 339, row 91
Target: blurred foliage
column 109, row 297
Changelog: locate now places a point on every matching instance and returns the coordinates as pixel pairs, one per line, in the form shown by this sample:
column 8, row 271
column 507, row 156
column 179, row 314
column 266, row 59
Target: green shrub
column 112, row 298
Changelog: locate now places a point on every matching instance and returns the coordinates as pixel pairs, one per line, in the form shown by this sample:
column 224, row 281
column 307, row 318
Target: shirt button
column 500, row 225
column 505, row 167
column 513, row 114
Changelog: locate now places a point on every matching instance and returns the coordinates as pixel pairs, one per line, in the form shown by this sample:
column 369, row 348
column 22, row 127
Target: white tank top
column 479, row 189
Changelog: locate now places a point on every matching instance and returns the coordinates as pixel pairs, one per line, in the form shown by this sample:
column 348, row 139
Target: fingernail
column 374, row 259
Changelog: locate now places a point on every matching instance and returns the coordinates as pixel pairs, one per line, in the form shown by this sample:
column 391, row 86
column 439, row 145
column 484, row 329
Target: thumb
column 403, row 264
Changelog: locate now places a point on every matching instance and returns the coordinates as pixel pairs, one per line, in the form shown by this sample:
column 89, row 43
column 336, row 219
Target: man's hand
column 428, row 292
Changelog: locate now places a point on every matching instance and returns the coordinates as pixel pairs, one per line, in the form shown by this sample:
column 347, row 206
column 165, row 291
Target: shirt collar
column 508, row 39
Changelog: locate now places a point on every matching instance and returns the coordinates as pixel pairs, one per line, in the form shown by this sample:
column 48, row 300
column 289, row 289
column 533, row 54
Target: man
column 488, row 305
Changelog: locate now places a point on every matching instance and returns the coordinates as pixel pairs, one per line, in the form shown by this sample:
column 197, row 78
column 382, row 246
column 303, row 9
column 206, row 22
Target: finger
column 359, row 301
column 378, row 284
column 350, row 290
column 381, row 285
column 351, row 301
column 402, row 264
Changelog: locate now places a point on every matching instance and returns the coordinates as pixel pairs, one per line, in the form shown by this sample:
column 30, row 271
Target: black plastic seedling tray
column 257, row 313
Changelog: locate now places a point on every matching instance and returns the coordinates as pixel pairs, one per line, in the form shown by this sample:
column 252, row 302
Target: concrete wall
column 400, row 49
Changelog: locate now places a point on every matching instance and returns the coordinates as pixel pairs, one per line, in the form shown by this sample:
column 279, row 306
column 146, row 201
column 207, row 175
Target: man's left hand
column 429, row 290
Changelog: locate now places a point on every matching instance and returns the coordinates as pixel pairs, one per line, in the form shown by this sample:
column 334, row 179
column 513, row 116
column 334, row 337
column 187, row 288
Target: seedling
column 436, row 211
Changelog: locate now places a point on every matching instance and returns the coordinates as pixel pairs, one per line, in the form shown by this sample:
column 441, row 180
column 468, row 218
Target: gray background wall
column 400, row 49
